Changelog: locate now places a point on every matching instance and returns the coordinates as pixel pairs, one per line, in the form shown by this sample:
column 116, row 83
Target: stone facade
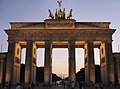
column 65, row 33
column 3, row 58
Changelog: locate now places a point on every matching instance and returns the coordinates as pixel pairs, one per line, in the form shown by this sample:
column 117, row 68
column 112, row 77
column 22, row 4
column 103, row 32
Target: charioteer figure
column 60, row 14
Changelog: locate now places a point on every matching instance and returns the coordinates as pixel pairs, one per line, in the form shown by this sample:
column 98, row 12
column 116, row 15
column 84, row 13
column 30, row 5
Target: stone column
column 13, row 63
column 119, row 72
column 4, row 71
column 30, row 62
column 72, row 64
column 10, row 62
column 48, row 64
column 17, row 63
column 116, row 72
column 106, row 62
column 1, row 70
column 89, row 62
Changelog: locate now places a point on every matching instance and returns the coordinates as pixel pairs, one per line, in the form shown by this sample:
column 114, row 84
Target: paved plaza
column 66, row 87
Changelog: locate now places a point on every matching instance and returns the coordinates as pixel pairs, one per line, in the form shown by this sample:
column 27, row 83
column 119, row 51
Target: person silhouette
column 32, row 85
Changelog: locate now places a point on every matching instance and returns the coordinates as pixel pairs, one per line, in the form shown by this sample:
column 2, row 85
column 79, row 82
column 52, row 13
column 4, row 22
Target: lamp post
column 1, row 48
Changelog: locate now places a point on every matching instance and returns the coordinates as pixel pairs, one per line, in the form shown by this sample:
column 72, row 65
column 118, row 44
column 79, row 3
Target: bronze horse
column 69, row 14
column 50, row 14
column 59, row 14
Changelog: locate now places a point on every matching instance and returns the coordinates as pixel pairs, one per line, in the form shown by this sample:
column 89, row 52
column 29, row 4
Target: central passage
column 60, row 62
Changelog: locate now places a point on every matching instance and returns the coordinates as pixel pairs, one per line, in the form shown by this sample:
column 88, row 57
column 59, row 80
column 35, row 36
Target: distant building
column 3, row 59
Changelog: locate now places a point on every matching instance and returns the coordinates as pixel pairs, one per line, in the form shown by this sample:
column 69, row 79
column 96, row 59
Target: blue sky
column 37, row 11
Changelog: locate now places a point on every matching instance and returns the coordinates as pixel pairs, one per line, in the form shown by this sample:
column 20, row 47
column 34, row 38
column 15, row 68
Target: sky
column 83, row 11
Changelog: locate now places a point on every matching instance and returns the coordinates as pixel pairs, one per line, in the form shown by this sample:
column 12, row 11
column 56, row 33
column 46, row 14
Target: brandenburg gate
column 59, row 33
column 54, row 33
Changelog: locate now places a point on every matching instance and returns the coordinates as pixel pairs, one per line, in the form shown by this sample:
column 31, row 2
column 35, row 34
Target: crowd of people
column 83, row 85
column 64, row 84
column 27, row 86
column 18, row 86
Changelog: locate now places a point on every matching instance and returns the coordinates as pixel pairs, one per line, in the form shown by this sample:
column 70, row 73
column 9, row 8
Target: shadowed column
column 89, row 62
column 10, row 62
column 106, row 63
column 72, row 64
column 4, row 71
column 3, row 59
column 30, row 62
column 48, row 64
column 1, row 70
column 13, row 62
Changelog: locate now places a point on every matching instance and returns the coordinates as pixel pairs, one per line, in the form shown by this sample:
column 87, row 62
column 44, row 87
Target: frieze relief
column 27, row 25
column 51, row 25
column 58, row 24
column 58, row 35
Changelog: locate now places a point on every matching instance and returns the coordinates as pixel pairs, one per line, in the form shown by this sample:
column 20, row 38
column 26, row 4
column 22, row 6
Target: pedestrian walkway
column 62, row 87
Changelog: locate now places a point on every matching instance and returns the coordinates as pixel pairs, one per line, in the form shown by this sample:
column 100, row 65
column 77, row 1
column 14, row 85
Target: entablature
column 21, row 25
column 60, row 34
column 58, row 24
column 93, row 24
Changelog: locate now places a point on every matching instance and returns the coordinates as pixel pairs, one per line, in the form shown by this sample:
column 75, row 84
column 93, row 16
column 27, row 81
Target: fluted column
column 10, row 62
column 116, row 69
column 106, row 62
column 48, row 63
column 13, row 62
column 89, row 62
column 1, row 70
column 4, row 71
column 72, row 64
column 118, row 72
column 30, row 62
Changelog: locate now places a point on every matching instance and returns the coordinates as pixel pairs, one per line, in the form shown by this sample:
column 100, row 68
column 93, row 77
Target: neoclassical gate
column 59, row 33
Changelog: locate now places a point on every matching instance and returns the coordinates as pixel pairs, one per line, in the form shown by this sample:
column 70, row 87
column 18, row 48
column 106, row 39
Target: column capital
column 48, row 41
column 89, row 41
column 71, row 41
column 29, row 41
column 11, row 41
column 107, row 41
